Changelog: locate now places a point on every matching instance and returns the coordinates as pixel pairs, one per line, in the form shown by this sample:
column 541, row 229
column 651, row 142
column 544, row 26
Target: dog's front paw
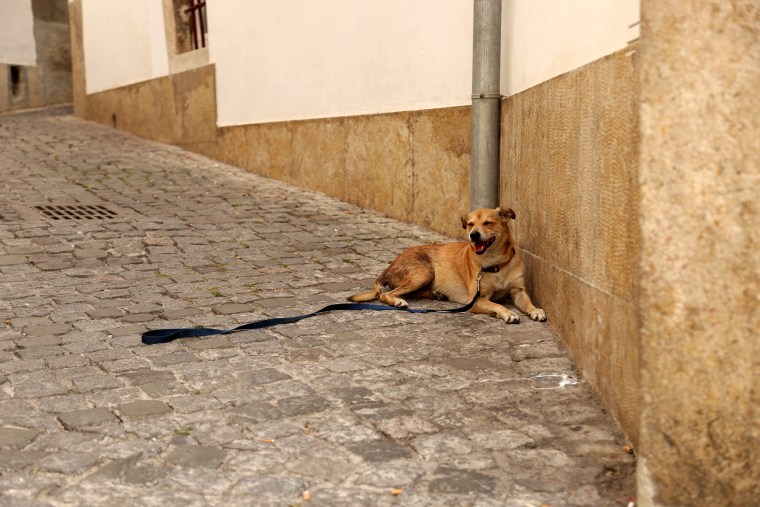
column 510, row 317
column 538, row 315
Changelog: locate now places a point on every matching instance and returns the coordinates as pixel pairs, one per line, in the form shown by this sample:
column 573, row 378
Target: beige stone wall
column 700, row 253
column 569, row 169
column 413, row 166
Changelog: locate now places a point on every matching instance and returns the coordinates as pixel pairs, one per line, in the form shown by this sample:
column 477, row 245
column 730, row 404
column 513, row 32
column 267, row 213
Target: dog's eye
column 487, row 222
column 470, row 224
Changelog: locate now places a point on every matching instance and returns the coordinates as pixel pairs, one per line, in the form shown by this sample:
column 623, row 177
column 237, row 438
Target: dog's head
column 488, row 229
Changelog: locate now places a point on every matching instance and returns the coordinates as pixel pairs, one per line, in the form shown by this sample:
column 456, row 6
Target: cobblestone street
column 345, row 408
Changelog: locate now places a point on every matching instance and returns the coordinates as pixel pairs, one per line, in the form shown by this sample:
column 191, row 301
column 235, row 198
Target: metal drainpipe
column 486, row 102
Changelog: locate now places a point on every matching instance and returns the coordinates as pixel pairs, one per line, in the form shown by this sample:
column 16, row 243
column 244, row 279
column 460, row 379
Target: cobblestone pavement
column 351, row 408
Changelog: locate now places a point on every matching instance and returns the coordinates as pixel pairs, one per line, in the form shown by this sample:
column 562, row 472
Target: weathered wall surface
column 45, row 79
column 17, row 45
column 568, row 169
column 700, row 253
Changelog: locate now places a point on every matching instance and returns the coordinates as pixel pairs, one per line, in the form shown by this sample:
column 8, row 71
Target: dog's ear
column 464, row 221
column 506, row 213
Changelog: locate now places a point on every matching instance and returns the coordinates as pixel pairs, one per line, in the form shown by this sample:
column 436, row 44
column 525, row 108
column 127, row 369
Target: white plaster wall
column 542, row 39
column 298, row 59
column 124, row 42
column 17, row 46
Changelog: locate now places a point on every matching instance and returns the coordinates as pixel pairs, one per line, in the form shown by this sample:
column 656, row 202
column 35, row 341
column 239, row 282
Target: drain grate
column 77, row 212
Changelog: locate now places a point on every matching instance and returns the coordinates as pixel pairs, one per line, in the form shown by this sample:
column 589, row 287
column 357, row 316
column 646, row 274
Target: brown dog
column 450, row 271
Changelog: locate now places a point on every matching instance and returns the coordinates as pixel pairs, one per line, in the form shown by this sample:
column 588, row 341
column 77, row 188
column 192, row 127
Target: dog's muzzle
column 479, row 244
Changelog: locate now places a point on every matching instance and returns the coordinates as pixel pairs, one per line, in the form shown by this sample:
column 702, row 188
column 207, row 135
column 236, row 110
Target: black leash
column 166, row 335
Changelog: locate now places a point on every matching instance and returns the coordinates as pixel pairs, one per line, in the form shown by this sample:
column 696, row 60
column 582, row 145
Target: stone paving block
column 18, row 460
column 114, row 397
column 129, row 471
column 196, row 456
column 214, row 342
column 254, row 413
column 231, row 308
column 143, row 308
column 68, row 462
column 144, row 408
column 181, row 313
column 105, row 313
column 297, row 405
column 54, row 329
column 213, row 483
column 46, row 352
column 90, row 253
column 63, row 403
column 263, row 376
column 180, row 356
column 16, row 437
column 377, row 451
column 138, row 317
column 12, row 260
column 87, row 417
column 96, row 382
column 281, row 489
column 53, row 264
column 452, row 480
column 162, row 389
column 124, row 365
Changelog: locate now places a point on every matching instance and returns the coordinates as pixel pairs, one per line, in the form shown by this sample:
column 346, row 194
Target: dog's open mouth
column 481, row 246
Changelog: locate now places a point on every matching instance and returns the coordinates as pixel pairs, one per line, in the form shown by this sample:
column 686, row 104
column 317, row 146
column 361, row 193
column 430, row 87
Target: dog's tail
column 362, row 297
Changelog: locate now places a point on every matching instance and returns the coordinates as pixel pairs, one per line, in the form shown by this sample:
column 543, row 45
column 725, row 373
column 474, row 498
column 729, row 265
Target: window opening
column 196, row 11
column 17, row 82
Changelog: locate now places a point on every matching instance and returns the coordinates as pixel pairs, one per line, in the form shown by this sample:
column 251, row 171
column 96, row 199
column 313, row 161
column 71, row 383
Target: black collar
column 498, row 267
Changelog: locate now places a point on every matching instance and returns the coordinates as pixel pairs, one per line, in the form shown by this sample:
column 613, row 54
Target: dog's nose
column 475, row 236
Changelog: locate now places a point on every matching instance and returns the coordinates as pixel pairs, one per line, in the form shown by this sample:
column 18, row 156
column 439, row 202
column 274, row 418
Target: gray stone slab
column 144, row 408
column 12, row 260
column 129, row 470
column 263, row 376
column 16, row 437
column 288, row 490
column 297, row 405
column 214, row 342
column 378, row 451
column 87, row 417
column 231, row 308
column 54, row 329
column 196, row 456
column 254, row 413
column 453, row 480
column 141, row 377
column 18, row 460
column 105, row 313
column 96, row 382
column 68, row 462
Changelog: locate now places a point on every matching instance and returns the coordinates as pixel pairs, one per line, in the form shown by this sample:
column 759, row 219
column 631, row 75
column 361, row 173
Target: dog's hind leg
column 414, row 281
column 362, row 297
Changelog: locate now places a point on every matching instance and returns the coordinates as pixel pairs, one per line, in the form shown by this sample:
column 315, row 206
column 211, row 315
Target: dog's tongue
column 480, row 246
